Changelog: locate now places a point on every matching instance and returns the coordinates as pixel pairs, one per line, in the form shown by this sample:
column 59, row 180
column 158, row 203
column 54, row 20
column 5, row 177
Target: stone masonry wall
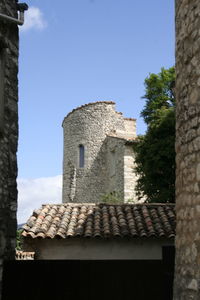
column 130, row 178
column 130, row 127
column 8, row 132
column 114, row 183
column 187, row 270
column 90, row 126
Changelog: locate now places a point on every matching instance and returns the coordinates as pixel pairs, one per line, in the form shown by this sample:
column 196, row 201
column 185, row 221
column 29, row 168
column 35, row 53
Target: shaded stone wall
column 8, row 132
column 114, row 183
column 187, row 273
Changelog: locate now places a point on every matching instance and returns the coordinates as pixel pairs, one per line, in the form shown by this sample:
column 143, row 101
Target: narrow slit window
column 1, row 90
column 81, row 156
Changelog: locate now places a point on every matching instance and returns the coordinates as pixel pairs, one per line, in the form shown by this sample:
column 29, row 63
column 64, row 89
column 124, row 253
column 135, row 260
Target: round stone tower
column 85, row 166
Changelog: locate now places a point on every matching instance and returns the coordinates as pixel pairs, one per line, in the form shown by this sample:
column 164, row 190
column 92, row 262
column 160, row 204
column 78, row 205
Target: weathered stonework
column 187, row 273
column 109, row 159
column 8, row 132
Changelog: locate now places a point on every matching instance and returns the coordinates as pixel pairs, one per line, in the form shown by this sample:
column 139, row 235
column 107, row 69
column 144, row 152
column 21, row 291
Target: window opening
column 2, row 66
column 112, row 163
column 81, row 156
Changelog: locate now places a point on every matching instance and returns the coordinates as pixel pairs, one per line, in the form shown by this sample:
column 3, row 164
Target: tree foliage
column 155, row 153
column 19, row 239
column 159, row 94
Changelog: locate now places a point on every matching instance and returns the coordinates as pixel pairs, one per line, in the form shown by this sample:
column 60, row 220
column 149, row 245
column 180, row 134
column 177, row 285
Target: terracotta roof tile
column 121, row 136
column 101, row 220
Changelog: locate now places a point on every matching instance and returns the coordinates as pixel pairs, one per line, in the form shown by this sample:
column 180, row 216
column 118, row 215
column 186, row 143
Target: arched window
column 81, row 156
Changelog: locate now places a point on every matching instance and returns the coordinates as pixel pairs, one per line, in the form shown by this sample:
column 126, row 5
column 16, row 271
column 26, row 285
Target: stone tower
column 98, row 155
column 187, row 270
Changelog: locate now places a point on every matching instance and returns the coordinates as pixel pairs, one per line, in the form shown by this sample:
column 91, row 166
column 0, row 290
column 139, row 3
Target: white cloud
column 32, row 193
column 33, row 19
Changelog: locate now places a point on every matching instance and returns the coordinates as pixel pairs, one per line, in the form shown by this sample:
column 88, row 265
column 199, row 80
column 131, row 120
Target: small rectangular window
column 112, row 163
column 2, row 79
column 81, row 156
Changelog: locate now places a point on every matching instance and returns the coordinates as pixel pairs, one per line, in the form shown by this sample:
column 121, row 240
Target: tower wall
column 89, row 126
column 130, row 127
column 187, row 270
column 114, row 184
column 130, row 178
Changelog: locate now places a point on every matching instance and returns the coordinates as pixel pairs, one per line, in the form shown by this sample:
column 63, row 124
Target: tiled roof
column 130, row 119
column 101, row 220
column 121, row 136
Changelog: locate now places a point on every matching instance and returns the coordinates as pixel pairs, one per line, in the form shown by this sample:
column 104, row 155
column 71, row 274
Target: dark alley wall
column 8, row 132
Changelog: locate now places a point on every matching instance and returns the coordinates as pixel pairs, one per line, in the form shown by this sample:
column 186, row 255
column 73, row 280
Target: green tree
column 19, row 239
column 159, row 94
column 155, row 151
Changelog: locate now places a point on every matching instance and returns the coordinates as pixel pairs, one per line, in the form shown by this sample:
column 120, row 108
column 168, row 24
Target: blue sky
column 77, row 51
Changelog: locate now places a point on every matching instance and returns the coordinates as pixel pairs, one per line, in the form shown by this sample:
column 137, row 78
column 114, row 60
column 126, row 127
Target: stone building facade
column 187, row 270
column 8, row 132
column 98, row 154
